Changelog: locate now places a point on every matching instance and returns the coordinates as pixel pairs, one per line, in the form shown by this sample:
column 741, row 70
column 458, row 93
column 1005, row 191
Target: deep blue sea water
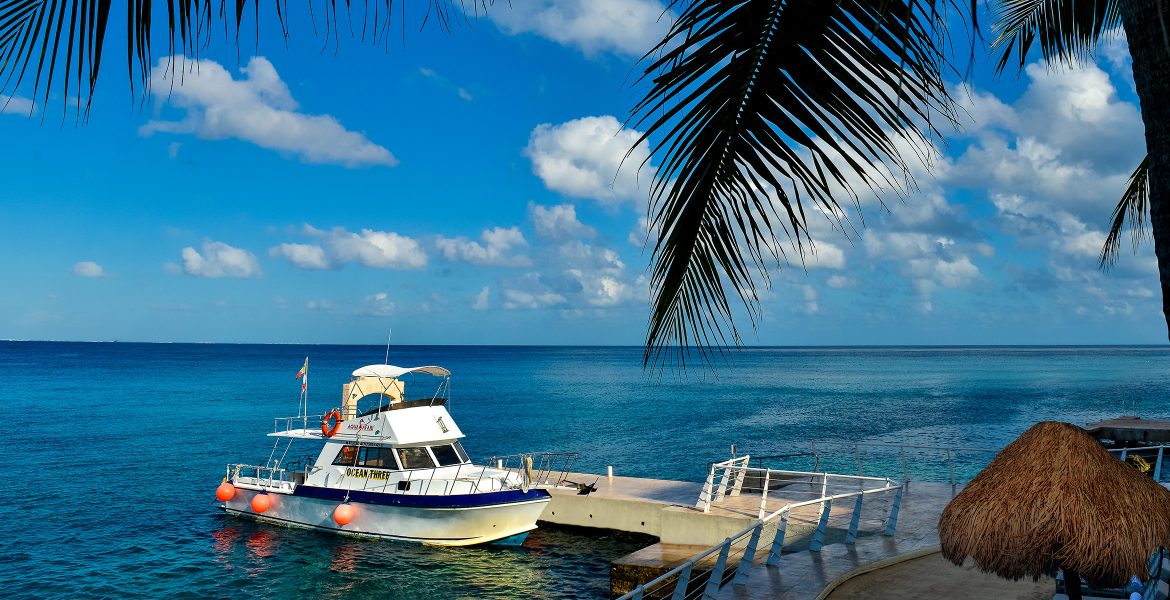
column 111, row 452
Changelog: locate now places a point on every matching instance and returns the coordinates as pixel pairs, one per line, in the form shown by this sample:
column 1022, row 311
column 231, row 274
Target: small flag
column 303, row 375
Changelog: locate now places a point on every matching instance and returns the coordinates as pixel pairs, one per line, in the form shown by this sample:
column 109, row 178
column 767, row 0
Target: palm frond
column 1065, row 31
column 1134, row 208
column 49, row 46
column 764, row 111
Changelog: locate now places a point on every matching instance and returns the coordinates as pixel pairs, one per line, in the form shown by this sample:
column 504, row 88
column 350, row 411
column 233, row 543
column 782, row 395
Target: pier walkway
column 811, row 575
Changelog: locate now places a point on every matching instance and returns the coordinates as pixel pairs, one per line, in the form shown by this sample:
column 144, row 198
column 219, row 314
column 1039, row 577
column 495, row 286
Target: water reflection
column 278, row 561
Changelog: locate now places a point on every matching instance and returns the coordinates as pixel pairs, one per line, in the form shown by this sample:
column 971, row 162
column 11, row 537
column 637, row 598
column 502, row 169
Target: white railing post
column 951, row 466
column 636, row 594
column 723, row 481
column 892, row 522
column 716, row 578
column 749, row 554
column 818, row 538
column 740, row 474
column 684, row 579
column 705, row 495
column 764, row 493
column 778, row 541
column 855, row 521
column 1124, row 453
column 1158, row 465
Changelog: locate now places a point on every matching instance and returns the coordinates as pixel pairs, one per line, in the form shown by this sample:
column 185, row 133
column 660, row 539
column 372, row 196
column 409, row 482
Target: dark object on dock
column 1131, row 430
column 584, row 489
column 1055, row 499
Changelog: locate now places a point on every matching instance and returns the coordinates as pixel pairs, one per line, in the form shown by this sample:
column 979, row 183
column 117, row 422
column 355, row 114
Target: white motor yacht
column 392, row 467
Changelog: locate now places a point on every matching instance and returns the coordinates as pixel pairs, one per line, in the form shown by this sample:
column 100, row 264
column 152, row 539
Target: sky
column 468, row 187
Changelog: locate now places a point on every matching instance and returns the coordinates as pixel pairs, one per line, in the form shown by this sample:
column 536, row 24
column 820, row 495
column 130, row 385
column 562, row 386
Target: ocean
column 112, row 451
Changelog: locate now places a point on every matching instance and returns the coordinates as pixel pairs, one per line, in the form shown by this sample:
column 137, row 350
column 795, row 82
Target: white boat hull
column 444, row 520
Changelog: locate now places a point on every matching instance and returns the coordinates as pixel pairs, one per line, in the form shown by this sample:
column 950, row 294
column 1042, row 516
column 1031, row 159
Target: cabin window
column 459, row 449
column 347, row 456
column 446, row 455
column 377, row 458
column 373, row 457
column 415, row 458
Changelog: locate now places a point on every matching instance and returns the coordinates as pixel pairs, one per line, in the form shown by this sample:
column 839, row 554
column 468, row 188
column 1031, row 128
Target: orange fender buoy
column 344, row 513
column 261, row 502
column 328, row 430
column 225, row 492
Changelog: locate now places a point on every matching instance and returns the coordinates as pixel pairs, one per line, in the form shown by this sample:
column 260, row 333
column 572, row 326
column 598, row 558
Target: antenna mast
column 388, row 336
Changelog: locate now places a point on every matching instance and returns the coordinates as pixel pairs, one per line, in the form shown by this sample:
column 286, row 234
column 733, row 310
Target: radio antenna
column 388, row 335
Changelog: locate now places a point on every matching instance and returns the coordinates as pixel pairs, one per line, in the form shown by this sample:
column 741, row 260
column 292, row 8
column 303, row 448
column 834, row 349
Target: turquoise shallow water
column 112, row 451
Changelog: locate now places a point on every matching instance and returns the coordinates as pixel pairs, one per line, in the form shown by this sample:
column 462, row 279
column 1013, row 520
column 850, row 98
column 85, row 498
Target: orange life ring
column 327, row 430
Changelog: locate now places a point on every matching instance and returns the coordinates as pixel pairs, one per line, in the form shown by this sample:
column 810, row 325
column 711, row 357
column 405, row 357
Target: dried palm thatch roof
column 1053, row 499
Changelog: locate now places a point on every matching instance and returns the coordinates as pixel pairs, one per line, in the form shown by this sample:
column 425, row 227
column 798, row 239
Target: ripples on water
column 112, row 451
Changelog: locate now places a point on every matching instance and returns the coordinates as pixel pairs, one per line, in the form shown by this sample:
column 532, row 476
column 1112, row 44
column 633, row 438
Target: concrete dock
column 667, row 510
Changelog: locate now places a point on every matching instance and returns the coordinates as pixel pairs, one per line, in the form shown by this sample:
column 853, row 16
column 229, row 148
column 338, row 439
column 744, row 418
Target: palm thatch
column 1055, row 499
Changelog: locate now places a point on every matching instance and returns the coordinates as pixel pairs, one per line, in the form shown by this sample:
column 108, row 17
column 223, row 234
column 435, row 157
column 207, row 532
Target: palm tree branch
column 1134, row 208
column 48, row 42
column 755, row 109
column 1065, row 31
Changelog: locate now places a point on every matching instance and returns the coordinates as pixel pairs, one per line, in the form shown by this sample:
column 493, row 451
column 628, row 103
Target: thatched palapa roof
column 1052, row 499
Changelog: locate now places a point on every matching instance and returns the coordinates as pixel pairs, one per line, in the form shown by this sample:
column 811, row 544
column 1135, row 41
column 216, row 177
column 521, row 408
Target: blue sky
column 464, row 187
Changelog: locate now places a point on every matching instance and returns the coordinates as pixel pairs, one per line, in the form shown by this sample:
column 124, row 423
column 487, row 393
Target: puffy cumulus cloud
column 219, row 260
column 88, row 268
column 481, row 299
column 497, row 248
column 558, row 222
column 259, row 109
column 579, row 276
column 928, row 262
column 16, row 105
column 586, row 158
column 303, row 256
column 1053, row 164
column 377, row 305
column 369, row 247
column 629, row 27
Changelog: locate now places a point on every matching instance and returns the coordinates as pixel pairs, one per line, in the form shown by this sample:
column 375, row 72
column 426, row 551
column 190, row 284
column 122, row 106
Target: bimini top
column 393, row 372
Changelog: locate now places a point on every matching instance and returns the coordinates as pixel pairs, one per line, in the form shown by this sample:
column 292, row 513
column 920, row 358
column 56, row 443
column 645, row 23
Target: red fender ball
column 261, row 502
column 344, row 513
column 225, row 492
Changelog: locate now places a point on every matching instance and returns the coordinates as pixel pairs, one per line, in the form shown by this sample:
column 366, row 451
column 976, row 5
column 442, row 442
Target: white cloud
column 826, row 256
column 586, row 158
column 87, row 268
column 481, row 299
column 629, row 27
column 496, row 250
column 16, row 105
column 514, row 299
column 377, row 305
column 839, row 281
column 303, row 256
column 558, row 222
column 372, row 248
column 259, row 109
column 220, row 260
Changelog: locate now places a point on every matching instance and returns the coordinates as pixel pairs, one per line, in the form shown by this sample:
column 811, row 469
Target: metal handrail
column 681, row 575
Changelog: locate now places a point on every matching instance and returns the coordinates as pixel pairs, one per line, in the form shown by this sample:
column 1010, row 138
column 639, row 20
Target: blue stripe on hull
column 422, row 500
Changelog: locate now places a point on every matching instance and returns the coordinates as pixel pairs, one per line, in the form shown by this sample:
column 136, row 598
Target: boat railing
column 268, row 478
column 287, row 424
column 731, row 561
column 502, row 473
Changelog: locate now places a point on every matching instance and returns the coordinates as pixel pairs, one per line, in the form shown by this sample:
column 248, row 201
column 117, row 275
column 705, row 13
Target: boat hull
column 438, row 520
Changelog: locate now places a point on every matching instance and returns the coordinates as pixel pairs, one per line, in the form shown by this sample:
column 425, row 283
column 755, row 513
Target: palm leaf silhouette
column 762, row 113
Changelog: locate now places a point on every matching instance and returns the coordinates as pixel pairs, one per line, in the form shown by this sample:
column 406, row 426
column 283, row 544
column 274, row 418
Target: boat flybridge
column 393, row 467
